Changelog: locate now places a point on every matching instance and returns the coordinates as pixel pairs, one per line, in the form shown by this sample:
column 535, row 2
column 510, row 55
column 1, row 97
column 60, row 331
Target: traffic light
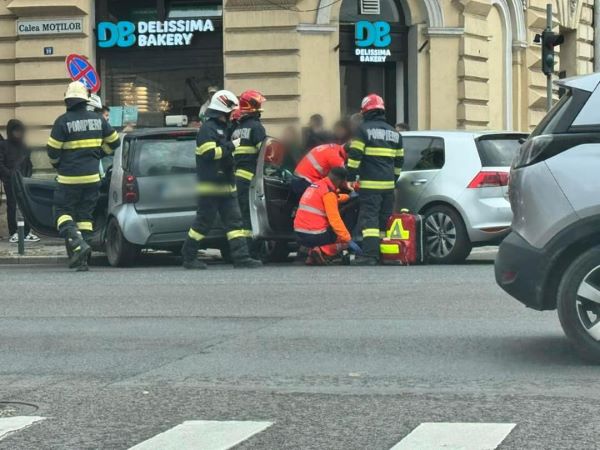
column 549, row 40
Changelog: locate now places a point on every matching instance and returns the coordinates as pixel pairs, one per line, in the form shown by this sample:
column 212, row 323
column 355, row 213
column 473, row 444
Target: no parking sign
column 80, row 69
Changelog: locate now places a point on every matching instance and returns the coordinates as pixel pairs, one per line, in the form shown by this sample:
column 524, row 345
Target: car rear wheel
column 274, row 251
column 579, row 304
column 119, row 251
column 446, row 238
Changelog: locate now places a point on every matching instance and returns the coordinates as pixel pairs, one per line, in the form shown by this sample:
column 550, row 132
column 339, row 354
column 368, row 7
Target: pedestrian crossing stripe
column 224, row 435
column 455, row 436
column 10, row 425
column 203, row 435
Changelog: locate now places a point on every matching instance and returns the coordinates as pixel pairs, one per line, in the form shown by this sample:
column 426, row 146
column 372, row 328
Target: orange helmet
column 371, row 102
column 251, row 101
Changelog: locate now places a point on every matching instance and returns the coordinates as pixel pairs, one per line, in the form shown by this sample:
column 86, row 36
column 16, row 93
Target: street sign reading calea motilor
column 49, row 26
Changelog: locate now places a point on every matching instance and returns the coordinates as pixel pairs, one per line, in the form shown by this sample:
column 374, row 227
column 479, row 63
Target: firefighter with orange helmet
column 375, row 158
column 251, row 133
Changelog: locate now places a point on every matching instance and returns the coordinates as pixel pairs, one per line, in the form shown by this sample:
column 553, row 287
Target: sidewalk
column 47, row 251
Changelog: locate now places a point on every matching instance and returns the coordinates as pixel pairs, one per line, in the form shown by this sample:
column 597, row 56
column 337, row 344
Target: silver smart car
column 551, row 259
column 147, row 199
column 458, row 181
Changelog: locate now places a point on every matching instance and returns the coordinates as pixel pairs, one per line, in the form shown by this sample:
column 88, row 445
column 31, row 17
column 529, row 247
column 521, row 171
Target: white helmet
column 77, row 89
column 95, row 102
column 224, row 101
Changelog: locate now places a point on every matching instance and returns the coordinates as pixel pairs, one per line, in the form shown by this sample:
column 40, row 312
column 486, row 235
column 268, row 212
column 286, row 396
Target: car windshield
column 156, row 157
column 498, row 152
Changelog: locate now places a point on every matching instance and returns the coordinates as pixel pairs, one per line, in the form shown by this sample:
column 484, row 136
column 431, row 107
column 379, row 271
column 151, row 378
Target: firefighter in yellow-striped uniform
column 216, row 186
column 79, row 138
column 251, row 133
column 375, row 157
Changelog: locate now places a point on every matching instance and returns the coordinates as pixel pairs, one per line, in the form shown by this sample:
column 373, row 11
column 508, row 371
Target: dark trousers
column 243, row 193
column 316, row 240
column 375, row 209
column 11, row 209
column 74, row 207
column 228, row 209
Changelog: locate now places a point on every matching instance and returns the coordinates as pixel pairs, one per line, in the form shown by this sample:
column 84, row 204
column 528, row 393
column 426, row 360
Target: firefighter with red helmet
column 251, row 133
column 375, row 159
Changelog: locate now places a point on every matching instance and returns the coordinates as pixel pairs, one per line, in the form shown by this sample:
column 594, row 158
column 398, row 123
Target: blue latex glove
column 355, row 248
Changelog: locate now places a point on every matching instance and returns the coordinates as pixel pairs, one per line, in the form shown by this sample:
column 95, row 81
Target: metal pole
column 549, row 76
column 596, row 36
column 21, row 232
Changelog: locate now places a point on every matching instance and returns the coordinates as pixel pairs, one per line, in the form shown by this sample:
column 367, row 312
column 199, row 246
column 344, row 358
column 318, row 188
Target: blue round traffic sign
column 80, row 69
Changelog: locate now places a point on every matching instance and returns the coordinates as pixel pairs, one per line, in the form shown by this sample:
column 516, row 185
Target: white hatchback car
column 458, row 181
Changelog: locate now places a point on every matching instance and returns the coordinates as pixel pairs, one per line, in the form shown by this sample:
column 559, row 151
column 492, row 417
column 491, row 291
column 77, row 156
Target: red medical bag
column 403, row 243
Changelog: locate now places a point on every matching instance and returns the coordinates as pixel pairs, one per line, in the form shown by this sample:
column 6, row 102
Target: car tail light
column 130, row 189
column 489, row 179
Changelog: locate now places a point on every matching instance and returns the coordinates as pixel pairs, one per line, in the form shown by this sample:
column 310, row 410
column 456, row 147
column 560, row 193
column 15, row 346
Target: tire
column 576, row 312
column 274, row 251
column 119, row 251
column 446, row 240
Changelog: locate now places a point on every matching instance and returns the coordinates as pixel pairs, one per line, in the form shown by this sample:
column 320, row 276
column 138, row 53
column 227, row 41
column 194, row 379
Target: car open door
column 271, row 199
column 35, row 198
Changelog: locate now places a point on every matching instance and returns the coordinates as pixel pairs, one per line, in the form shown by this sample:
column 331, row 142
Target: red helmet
column 371, row 102
column 235, row 115
column 251, row 101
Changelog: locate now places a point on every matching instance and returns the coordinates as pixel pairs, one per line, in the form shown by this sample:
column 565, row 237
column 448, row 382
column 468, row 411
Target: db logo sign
column 372, row 34
column 121, row 34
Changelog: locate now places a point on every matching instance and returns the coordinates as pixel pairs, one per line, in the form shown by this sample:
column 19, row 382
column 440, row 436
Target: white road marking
column 11, row 424
column 455, row 436
column 203, row 435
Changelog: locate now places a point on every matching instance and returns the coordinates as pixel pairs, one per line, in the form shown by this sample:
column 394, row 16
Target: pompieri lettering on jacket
column 84, row 125
column 383, row 135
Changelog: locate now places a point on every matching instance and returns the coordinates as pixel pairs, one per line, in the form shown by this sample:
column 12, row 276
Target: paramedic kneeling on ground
column 318, row 224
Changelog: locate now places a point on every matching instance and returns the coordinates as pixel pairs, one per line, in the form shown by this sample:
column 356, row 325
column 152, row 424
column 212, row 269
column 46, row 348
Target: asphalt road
column 334, row 358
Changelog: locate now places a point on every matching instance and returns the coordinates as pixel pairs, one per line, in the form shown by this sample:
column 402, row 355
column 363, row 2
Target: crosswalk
column 223, row 435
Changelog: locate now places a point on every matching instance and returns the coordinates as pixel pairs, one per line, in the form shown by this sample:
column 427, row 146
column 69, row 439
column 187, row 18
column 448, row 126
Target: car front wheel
column 579, row 304
column 446, row 238
column 119, row 251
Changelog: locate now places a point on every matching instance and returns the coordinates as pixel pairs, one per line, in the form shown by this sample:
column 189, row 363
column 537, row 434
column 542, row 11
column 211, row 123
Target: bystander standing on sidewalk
column 14, row 157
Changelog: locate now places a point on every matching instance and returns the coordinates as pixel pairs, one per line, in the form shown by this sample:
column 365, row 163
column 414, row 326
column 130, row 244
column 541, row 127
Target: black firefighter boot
column 77, row 249
column 189, row 252
column 241, row 256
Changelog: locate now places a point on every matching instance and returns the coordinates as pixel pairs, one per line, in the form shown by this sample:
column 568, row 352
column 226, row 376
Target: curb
column 17, row 259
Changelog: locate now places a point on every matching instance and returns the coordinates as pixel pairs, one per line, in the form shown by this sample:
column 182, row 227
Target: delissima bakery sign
column 169, row 33
column 49, row 26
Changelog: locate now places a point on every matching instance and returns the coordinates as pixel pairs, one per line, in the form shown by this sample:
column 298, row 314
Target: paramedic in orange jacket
column 318, row 224
column 316, row 165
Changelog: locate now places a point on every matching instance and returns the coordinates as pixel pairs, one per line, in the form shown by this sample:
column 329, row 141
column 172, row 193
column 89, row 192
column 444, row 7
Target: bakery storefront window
column 158, row 58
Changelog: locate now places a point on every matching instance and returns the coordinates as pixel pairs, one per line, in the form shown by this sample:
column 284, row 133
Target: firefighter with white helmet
column 216, row 186
column 78, row 138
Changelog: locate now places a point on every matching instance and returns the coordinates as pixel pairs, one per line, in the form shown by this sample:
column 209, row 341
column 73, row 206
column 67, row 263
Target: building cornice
column 444, row 31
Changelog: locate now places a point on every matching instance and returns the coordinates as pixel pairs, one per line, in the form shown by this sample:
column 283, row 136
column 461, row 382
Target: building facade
column 443, row 64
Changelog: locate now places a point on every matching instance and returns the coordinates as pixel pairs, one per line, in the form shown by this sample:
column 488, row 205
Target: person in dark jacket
column 251, row 133
column 77, row 141
column 316, row 134
column 375, row 157
column 14, row 157
column 217, row 192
